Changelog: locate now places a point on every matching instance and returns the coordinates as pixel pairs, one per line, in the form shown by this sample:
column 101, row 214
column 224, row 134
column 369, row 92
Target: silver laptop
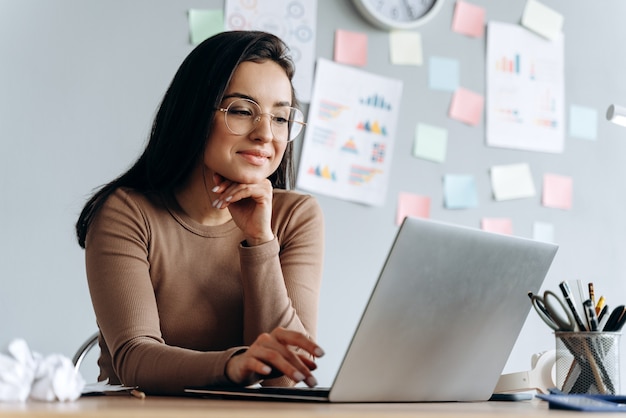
column 440, row 323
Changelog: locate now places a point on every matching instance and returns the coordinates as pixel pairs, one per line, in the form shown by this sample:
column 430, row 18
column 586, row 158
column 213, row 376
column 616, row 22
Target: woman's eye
column 280, row 120
column 241, row 112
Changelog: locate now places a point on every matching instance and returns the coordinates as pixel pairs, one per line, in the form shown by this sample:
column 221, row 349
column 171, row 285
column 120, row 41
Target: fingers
column 221, row 185
column 229, row 192
column 245, row 369
column 274, row 350
column 273, row 355
column 297, row 339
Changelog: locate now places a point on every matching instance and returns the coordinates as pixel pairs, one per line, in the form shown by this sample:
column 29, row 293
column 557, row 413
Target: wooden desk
column 129, row 407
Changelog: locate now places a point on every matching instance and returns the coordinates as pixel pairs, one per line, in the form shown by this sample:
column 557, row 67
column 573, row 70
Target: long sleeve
column 281, row 284
column 170, row 296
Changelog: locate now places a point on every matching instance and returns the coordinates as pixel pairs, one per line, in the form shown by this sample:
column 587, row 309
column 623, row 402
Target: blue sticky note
column 543, row 231
column 460, row 191
column 583, row 122
column 443, row 73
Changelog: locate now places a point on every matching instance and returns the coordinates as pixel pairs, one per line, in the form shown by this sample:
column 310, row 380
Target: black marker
column 611, row 323
column 568, row 298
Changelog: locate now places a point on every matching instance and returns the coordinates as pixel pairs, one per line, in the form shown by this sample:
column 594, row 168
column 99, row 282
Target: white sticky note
column 543, row 20
column 512, row 181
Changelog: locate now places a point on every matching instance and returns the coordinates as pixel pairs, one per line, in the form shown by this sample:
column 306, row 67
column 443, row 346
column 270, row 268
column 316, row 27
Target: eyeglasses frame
column 258, row 117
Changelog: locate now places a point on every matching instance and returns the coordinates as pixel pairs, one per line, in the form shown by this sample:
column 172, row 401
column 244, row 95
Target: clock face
column 397, row 14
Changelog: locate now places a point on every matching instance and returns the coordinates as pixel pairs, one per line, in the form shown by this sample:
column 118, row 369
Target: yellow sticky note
column 204, row 23
column 512, row 181
column 542, row 20
column 405, row 48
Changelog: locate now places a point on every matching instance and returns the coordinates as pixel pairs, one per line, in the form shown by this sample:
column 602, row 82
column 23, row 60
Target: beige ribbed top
column 175, row 299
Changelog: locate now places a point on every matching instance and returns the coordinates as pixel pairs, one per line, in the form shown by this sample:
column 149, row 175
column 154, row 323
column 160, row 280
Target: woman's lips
column 255, row 157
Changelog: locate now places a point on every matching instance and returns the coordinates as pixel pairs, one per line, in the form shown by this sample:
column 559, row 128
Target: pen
column 590, row 313
column 620, row 321
column 578, row 295
column 616, row 319
column 568, row 298
column 611, row 323
column 592, row 295
column 603, row 317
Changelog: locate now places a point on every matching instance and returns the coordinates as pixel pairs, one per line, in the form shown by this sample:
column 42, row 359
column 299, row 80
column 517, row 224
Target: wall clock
column 398, row 14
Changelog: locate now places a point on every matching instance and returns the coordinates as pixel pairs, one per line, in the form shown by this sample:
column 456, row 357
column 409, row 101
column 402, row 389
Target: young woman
column 202, row 269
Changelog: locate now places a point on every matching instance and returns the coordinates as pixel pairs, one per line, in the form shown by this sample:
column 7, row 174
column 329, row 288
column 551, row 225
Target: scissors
column 550, row 312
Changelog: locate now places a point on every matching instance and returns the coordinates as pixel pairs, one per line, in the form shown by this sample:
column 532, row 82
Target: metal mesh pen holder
column 587, row 362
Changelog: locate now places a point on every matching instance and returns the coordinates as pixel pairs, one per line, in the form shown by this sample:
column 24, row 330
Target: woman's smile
column 255, row 156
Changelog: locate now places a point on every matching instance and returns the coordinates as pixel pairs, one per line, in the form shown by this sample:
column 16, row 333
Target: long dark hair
column 184, row 119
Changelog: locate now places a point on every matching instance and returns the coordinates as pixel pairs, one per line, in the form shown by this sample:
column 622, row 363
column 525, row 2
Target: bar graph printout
column 349, row 138
column 525, row 89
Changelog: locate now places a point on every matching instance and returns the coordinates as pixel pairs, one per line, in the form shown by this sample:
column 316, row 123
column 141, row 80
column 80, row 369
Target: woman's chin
column 249, row 179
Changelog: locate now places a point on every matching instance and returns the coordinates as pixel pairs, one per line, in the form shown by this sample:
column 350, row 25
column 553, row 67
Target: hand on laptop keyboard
column 271, row 356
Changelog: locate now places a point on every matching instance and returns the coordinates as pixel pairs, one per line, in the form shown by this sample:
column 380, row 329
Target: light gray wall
column 79, row 84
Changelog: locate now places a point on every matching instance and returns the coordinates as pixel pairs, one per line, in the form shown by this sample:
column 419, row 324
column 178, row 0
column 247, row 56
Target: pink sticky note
column 499, row 225
column 557, row 191
column 467, row 106
column 410, row 204
column 350, row 48
column 469, row 19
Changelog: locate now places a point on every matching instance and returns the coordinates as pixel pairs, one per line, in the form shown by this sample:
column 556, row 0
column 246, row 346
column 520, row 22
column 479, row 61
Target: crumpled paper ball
column 25, row 374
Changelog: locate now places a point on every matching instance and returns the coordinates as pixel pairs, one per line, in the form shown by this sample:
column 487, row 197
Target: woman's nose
column 263, row 128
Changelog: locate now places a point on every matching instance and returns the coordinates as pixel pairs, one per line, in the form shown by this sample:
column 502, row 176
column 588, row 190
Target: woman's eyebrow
column 239, row 96
column 245, row 96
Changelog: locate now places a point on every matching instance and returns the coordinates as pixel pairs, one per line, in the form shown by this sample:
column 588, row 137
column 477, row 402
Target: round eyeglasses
column 243, row 115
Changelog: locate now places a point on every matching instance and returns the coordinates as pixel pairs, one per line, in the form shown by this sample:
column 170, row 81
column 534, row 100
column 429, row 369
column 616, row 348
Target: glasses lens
column 241, row 115
column 296, row 123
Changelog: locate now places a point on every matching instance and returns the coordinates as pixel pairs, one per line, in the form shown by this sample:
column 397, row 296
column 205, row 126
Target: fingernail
column 216, row 203
column 298, row 377
column 266, row 370
column 215, row 189
column 319, row 352
column 228, row 199
column 311, row 381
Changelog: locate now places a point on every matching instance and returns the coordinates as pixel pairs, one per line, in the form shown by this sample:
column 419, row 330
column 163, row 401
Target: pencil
column 138, row 394
column 600, row 305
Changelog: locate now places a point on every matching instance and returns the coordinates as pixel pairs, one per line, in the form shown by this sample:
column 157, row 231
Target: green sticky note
column 430, row 142
column 204, row 23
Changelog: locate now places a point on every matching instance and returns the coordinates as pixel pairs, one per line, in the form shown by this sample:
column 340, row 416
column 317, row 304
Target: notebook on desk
column 441, row 320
